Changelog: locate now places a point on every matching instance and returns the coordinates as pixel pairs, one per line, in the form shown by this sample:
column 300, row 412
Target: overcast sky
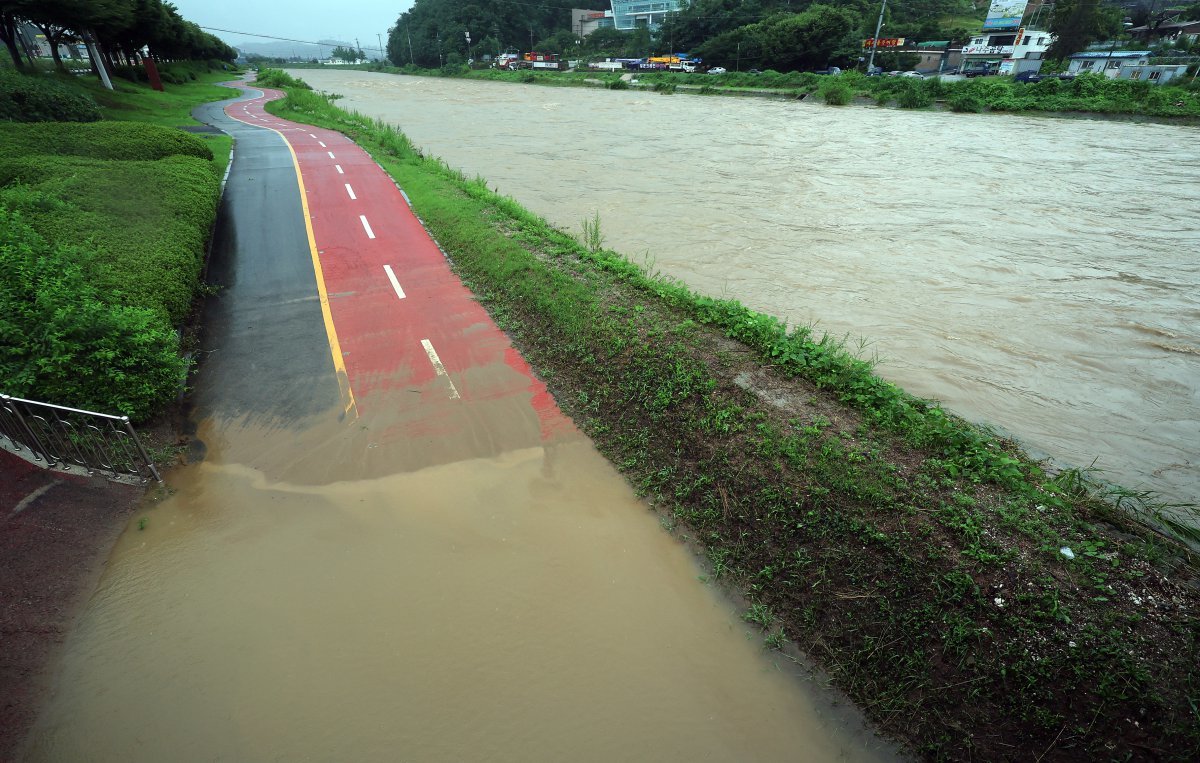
column 307, row 20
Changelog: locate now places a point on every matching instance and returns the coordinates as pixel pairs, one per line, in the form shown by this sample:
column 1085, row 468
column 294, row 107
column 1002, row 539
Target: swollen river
column 1038, row 274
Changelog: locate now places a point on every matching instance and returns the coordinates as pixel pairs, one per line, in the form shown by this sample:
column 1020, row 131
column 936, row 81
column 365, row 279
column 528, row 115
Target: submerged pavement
column 390, row 543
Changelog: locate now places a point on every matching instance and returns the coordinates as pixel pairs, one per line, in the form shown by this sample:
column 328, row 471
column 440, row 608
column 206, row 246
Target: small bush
column 914, row 96
column 617, row 84
column 836, row 92
column 279, row 78
column 100, row 140
column 42, row 98
column 965, row 101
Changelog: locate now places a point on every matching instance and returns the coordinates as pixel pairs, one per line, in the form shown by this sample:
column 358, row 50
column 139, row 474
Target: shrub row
column 103, row 242
column 99, row 140
column 42, row 98
column 62, row 340
column 147, row 222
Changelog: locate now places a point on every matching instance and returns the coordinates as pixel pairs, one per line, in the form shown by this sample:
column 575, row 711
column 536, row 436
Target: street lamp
column 875, row 41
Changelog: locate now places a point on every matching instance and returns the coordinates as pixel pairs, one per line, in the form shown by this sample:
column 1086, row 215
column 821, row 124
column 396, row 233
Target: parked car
column 1038, row 77
column 753, row 71
column 978, row 71
column 917, row 75
column 718, row 70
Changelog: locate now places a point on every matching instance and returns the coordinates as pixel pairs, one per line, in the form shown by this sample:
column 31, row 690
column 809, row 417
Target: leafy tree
column 349, row 55
column 10, row 19
column 1078, row 23
column 437, row 28
column 821, row 35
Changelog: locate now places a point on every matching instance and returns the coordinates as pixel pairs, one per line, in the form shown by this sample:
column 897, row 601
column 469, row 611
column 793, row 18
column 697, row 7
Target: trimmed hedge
column 99, row 140
column 62, row 341
column 146, row 221
column 42, row 98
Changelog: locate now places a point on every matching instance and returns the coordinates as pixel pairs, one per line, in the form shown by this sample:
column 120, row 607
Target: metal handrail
column 60, row 436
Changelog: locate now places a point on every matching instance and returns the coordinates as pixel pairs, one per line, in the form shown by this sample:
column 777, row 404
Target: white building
column 1008, row 51
column 1107, row 62
column 1159, row 74
column 585, row 21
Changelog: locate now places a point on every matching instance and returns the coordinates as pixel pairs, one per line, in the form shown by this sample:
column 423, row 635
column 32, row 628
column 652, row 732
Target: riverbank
column 1086, row 96
column 914, row 558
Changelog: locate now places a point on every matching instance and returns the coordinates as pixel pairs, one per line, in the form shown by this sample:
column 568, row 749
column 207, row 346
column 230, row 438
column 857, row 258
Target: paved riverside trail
column 397, row 319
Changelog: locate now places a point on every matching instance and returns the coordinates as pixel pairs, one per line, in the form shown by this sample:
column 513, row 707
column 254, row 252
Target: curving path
column 314, row 225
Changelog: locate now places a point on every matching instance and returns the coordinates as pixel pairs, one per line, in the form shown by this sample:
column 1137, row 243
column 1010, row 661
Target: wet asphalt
column 264, row 351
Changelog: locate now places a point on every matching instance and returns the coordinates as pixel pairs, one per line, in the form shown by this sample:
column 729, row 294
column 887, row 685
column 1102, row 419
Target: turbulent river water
column 1038, row 274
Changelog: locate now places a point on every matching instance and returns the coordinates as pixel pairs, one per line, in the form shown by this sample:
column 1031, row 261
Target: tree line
column 784, row 35
column 120, row 30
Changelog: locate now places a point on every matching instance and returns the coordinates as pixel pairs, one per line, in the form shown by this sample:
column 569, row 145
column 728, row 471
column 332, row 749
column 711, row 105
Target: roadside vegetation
column 975, row 606
column 105, row 216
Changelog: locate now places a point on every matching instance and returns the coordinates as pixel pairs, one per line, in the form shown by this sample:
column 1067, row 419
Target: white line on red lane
column 314, row 137
column 338, row 167
column 319, row 143
column 437, row 366
column 367, row 226
column 350, row 191
column 395, row 284
column 331, row 156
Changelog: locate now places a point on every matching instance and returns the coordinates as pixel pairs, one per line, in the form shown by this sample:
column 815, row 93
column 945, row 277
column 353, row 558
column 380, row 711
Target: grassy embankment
column 106, row 216
column 1088, row 93
column 914, row 557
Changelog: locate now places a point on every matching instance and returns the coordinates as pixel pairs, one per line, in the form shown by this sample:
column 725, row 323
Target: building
column 1004, row 45
column 630, row 14
column 1169, row 32
column 1159, row 74
column 585, row 21
column 1106, row 62
column 1008, row 51
column 936, row 57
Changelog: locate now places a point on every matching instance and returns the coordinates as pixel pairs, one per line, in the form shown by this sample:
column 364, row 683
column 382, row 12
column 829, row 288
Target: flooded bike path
column 382, row 551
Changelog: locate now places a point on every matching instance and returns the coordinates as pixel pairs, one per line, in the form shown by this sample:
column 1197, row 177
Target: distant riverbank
column 1086, row 95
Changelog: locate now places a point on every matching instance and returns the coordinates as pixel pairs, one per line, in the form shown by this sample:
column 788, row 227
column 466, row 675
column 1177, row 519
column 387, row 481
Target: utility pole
column 408, row 31
column 357, row 49
column 382, row 52
column 875, row 40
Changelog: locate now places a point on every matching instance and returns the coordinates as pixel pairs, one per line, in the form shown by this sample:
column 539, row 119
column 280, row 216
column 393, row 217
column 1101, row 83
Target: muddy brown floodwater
column 1038, row 274
column 512, row 607
column 434, row 579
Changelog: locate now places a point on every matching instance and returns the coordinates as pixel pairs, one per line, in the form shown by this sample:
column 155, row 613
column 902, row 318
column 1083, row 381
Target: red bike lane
column 399, row 320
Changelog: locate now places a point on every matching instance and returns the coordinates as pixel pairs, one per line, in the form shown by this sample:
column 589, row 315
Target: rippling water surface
column 1035, row 273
